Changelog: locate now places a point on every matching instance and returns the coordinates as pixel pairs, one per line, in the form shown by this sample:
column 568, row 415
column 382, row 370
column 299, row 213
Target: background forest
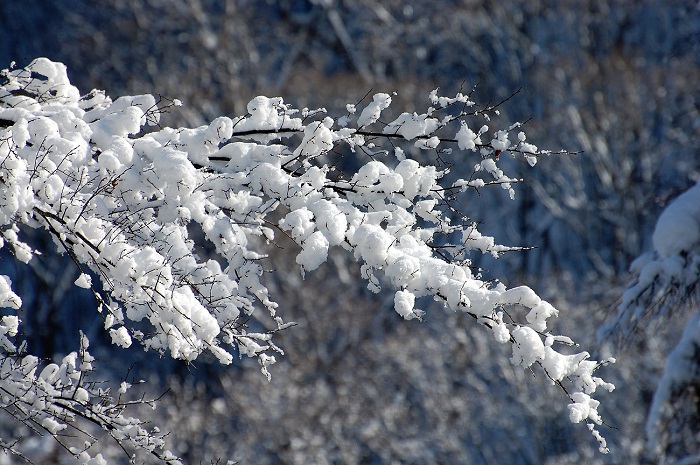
column 619, row 81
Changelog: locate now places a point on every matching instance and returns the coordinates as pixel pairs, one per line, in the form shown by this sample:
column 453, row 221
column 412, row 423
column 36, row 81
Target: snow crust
column 678, row 229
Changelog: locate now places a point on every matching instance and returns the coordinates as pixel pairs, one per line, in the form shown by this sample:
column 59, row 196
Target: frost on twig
column 122, row 203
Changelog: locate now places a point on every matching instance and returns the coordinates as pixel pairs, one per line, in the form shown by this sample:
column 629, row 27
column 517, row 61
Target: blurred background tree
column 618, row 80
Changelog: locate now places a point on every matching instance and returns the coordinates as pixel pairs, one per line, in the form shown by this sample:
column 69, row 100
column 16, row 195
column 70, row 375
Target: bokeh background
column 618, row 80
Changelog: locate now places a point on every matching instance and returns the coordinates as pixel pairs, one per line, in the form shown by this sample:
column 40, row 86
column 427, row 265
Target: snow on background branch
column 665, row 282
column 667, row 277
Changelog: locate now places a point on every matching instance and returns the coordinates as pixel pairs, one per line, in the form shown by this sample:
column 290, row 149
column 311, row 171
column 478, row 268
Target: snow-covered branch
column 62, row 401
column 174, row 222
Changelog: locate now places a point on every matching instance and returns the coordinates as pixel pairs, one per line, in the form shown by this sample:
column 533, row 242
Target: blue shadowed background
column 619, row 81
